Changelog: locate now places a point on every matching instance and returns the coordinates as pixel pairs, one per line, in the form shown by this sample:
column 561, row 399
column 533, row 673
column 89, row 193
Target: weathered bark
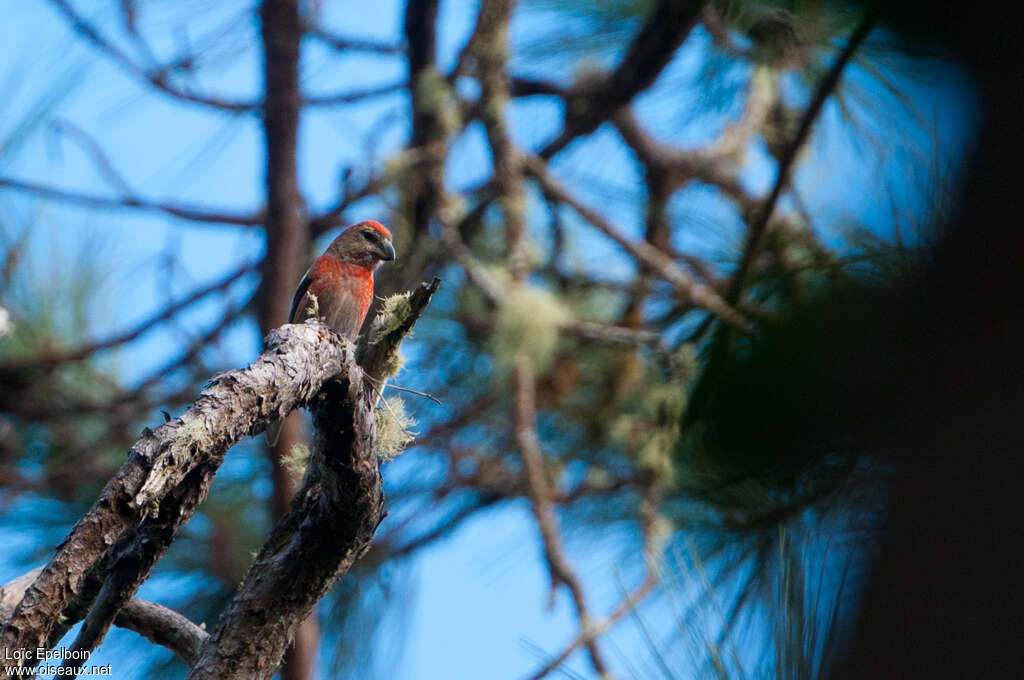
column 153, row 621
column 332, row 520
column 167, row 474
column 163, row 626
column 330, row 525
column 428, row 131
column 287, row 235
column 288, row 242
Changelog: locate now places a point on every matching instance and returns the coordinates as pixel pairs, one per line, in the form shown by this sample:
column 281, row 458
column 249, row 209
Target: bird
column 338, row 286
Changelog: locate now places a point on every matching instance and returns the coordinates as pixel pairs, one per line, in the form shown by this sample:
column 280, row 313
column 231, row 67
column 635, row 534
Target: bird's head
column 366, row 244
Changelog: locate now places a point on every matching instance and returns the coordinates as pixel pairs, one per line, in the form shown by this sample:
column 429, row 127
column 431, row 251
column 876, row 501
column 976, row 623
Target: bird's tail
column 273, row 432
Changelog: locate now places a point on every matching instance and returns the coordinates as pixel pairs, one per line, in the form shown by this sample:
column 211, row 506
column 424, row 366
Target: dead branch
column 686, row 285
column 329, row 526
column 281, row 29
column 663, row 32
column 49, row 360
column 588, row 634
column 616, row 335
column 539, row 493
column 153, row 621
column 168, row 473
column 156, row 78
column 353, row 95
column 679, row 167
column 428, row 127
column 163, row 626
column 190, row 213
column 348, row 44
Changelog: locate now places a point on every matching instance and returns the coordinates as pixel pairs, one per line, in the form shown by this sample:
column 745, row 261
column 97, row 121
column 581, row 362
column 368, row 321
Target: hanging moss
column 312, row 306
column 685, row 363
column 393, row 313
column 295, row 460
column 527, row 327
column 494, row 108
column 649, row 433
column 434, row 95
column 393, row 429
column 398, row 170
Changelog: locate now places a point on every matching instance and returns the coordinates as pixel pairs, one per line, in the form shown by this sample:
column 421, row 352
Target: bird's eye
column 368, row 234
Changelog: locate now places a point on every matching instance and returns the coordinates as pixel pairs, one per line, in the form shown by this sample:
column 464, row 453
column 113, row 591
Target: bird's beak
column 389, row 251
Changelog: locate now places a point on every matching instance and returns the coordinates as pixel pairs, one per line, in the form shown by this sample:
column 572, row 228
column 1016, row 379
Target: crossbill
column 338, row 287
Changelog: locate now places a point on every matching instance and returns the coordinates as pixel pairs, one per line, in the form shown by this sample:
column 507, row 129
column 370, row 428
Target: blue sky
column 479, row 604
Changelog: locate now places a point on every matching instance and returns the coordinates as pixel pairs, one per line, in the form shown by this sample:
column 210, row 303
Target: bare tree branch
column 663, row 32
column 157, row 78
column 679, row 167
column 288, row 241
column 354, row 95
column 539, row 492
column 489, row 47
column 588, row 634
column 428, row 133
column 48, row 360
column 169, row 470
column 153, row 621
column 332, row 218
column 598, row 628
column 618, row 335
column 163, row 626
column 347, row 44
column 329, row 526
column 181, row 211
column 692, row 290
column 520, row 86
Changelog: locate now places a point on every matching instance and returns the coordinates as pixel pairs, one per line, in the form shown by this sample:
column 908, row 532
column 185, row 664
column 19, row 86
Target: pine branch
column 821, row 95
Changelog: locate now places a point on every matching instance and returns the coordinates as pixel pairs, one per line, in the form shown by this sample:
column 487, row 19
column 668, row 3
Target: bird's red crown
column 375, row 225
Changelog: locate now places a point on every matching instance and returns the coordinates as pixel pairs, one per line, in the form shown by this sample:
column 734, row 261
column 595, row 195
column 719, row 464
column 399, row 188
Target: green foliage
column 57, row 302
column 787, row 413
column 799, row 592
column 586, row 31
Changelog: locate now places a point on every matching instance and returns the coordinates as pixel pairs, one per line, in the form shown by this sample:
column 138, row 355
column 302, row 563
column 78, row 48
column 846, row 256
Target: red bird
column 338, row 287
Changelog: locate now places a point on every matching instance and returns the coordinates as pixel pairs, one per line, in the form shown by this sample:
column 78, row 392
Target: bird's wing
column 297, row 300
column 343, row 312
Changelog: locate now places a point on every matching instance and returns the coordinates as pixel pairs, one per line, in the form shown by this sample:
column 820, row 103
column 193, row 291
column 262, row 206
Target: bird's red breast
column 340, row 284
